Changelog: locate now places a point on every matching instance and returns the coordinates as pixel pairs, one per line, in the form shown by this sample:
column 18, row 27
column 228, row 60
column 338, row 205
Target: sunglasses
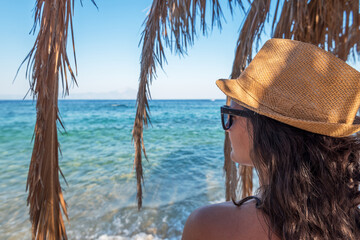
column 228, row 113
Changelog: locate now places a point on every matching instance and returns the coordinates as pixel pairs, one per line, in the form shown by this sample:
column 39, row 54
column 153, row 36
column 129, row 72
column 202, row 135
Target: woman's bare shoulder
column 226, row 221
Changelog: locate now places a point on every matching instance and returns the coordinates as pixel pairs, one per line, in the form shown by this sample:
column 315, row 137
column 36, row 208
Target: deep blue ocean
column 185, row 151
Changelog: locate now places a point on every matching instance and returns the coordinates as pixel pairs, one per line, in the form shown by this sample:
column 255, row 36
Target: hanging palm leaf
column 46, row 61
column 169, row 24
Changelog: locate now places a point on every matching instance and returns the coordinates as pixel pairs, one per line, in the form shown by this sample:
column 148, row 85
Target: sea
column 184, row 170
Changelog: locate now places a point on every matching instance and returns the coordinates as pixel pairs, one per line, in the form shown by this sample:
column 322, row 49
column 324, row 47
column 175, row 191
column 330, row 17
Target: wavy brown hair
column 310, row 182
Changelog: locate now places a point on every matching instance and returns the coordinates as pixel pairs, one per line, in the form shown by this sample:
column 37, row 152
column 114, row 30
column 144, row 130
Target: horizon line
column 111, row 99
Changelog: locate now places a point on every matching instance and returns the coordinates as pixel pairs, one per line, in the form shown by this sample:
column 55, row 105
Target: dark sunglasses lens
column 227, row 121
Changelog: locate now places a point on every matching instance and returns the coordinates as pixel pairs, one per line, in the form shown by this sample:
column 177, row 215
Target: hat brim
column 234, row 89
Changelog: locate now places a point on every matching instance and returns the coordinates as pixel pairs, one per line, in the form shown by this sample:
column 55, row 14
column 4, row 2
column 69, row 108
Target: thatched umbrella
column 332, row 25
column 47, row 61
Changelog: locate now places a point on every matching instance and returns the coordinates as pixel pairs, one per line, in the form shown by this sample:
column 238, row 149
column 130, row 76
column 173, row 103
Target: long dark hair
column 310, row 182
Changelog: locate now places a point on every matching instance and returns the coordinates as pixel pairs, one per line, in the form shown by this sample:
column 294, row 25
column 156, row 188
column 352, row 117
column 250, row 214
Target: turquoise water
column 185, row 151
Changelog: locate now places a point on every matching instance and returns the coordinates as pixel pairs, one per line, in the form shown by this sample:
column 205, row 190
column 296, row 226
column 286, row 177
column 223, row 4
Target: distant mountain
column 127, row 94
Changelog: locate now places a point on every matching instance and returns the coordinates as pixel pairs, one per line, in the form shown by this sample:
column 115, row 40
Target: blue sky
column 108, row 55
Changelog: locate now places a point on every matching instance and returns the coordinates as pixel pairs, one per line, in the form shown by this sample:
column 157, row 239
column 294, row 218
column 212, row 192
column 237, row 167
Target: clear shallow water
column 185, row 151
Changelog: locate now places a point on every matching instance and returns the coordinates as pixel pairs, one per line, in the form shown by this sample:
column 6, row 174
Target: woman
column 293, row 117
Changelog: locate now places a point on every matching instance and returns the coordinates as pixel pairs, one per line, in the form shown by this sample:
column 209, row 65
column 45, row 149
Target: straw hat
column 301, row 85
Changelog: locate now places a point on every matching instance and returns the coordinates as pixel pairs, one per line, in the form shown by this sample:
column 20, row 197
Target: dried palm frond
column 230, row 171
column 46, row 60
column 170, row 24
column 332, row 25
column 251, row 29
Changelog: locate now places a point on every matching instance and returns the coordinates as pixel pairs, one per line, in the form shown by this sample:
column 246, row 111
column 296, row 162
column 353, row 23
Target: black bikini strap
column 258, row 201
